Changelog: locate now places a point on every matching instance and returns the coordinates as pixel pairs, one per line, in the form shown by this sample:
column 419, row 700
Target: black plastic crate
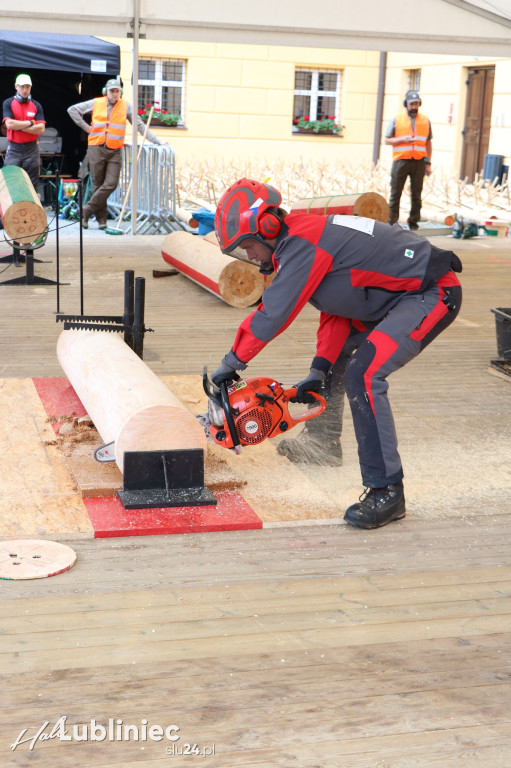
column 503, row 329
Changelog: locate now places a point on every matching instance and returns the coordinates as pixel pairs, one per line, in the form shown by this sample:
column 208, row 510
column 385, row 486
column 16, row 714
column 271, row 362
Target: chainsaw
column 246, row 412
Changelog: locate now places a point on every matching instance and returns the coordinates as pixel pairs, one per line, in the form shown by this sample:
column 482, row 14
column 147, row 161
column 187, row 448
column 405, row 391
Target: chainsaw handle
column 224, row 396
column 310, row 413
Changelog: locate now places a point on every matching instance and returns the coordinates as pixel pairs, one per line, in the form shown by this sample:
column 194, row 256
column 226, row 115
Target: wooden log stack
column 371, row 205
column 23, row 216
column 126, row 401
column 236, row 282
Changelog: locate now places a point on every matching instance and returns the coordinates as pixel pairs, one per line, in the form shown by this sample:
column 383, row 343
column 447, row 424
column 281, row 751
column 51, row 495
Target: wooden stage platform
column 302, row 643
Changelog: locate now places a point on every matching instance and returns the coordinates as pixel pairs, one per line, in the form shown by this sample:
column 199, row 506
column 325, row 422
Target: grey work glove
column 312, row 383
column 224, row 372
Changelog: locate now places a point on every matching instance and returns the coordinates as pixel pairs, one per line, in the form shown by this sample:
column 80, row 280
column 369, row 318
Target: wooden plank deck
column 310, row 645
column 302, row 646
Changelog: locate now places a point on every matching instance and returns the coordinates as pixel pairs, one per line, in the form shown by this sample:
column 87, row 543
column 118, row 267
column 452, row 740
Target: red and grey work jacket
column 108, row 130
column 417, row 149
column 350, row 268
column 22, row 110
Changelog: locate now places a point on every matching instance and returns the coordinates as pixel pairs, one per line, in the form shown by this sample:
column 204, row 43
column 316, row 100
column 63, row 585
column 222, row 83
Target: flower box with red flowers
column 327, row 125
column 161, row 117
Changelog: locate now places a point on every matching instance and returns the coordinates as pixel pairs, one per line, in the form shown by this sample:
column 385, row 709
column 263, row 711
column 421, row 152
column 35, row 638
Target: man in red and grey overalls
column 383, row 293
column 24, row 119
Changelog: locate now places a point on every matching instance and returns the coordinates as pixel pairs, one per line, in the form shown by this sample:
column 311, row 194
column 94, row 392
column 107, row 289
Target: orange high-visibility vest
column 104, row 131
column 417, row 149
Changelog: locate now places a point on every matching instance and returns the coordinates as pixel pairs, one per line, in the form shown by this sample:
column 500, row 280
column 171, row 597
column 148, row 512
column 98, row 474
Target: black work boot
column 311, row 448
column 378, row 507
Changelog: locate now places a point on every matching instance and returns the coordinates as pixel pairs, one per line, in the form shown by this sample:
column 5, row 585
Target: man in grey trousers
column 105, row 141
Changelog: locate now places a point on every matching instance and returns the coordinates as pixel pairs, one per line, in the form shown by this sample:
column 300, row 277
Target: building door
column 476, row 132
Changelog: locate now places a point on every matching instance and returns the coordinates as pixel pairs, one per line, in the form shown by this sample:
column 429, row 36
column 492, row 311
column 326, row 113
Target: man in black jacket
column 383, row 293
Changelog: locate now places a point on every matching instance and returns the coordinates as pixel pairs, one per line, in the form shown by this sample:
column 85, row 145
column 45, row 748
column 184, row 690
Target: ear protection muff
column 268, row 225
column 23, row 100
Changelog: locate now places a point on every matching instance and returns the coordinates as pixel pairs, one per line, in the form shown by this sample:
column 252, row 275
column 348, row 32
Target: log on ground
column 235, row 282
column 371, row 205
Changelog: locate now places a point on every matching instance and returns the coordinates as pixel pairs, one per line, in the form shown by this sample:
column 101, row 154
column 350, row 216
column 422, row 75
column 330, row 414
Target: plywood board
column 39, row 497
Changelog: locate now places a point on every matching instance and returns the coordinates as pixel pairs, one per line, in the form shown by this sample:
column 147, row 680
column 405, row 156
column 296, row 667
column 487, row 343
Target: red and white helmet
column 242, row 213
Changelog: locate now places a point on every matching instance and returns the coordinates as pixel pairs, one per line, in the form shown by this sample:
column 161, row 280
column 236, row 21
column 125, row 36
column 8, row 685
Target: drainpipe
column 134, row 129
column 379, row 106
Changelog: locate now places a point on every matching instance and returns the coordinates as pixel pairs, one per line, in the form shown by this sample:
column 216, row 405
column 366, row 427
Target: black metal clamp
column 131, row 323
column 164, row 479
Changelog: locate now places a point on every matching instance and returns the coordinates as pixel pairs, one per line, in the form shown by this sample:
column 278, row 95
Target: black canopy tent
column 64, row 69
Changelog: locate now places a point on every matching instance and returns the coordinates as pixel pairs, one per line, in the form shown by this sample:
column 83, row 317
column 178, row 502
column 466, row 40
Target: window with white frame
column 317, row 94
column 162, row 82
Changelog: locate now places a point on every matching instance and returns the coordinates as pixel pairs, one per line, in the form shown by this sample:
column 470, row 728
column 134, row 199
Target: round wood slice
column 237, row 283
column 371, row 205
column 34, row 559
column 23, row 217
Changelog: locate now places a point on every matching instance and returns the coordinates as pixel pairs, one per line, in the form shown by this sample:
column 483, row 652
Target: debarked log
column 371, row 205
column 235, row 282
column 126, row 401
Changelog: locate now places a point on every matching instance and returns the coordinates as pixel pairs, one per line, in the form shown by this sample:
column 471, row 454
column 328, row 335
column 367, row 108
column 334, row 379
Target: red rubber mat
column 109, row 518
column 107, row 514
column 59, row 399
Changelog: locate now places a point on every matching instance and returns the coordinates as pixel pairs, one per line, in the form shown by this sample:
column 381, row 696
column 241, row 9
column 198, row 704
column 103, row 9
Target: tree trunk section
column 371, row 205
column 23, row 217
column 126, row 401
column 237, row 283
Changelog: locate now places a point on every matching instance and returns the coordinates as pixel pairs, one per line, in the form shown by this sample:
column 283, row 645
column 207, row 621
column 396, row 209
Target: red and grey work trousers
column 374, row 351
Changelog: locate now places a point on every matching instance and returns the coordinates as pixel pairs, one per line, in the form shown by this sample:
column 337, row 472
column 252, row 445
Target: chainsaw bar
column 105, row 452
column 205, row 423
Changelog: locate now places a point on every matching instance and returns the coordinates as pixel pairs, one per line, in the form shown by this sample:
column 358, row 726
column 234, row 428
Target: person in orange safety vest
column 410, row 136
column 105, row 141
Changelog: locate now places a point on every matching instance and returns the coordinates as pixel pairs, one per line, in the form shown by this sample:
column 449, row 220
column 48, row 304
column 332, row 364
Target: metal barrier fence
column 156, row 189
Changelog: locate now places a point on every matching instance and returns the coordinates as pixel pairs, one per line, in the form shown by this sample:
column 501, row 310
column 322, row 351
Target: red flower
column 306, row 117
column 296, row 120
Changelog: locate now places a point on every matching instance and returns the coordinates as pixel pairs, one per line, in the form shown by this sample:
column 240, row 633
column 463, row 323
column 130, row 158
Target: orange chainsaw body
column 259, row 408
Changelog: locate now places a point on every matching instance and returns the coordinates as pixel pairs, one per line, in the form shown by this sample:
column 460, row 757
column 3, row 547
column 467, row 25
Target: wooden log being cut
column 371, row 205
column 126, row 401
column 235, row 282
column 23, row 216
